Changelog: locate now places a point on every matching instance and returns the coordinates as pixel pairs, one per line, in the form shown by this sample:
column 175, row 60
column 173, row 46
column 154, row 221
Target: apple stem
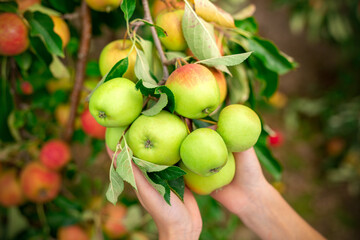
column 124, row 39
column 178, row 62
column 208, row 121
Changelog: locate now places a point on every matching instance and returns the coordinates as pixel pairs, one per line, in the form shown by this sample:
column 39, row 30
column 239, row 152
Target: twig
column 71, row 16
column 188, row 122
column 80, row 68
column 148, row 18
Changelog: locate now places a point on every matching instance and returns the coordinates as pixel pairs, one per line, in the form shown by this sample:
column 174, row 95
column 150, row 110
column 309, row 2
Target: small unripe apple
column 103, row 5
column 91, row 127
column 220, row 78
column 160, row 5
column 61, row 29
column 204, row 152
column 195, row 90
column 112, row 218
column 39, row 184
column 206, row 185
column 72, row 232
column 25, row 4
column 239, row 126
column 114, row 52
column 116, row 103
column 55, row 154
column 10, row 190
column 157, row 139
column 26, row 88
column 170, row 21
column 13, row 35
column 113, row 135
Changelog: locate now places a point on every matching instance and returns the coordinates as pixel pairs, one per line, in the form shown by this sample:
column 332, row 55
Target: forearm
column 168, row 233
column 270, row 217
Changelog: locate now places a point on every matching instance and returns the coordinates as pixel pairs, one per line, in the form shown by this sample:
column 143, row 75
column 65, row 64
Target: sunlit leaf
column 128, row 7
column 58, row 69
column 142, row 68
column 229, row 60
column 116, row 186
column 211, row 13
column 161, row 103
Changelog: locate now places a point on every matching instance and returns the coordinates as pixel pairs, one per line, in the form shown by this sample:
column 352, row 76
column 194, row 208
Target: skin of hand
column 259, row 205
column 181, row 220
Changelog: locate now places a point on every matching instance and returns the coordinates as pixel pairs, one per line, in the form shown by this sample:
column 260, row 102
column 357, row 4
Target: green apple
column 112, row 137
column 206, row 185
column 114, row 52
column 170, row 21
column 239, row 126
column 195, row 89
column 157, row 139
column 204, row 152
column 116, row 103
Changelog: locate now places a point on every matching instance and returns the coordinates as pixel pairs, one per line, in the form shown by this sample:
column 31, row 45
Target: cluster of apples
column 164, row 139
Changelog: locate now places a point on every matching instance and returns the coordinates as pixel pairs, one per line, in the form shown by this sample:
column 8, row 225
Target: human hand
column 181, row 220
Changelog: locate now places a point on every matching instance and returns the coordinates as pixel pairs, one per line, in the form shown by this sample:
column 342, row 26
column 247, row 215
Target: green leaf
column 128, row 7
column 161, row 103
column 171, row 173
column 24, row 60
column 116, row 71
column 8, row 6
column 116, row 186
column 268, row 53
column 158, row 187
column 230, row 60
column 42, row 26
column 58, row 69
column 146, row 89
column 147, row 47
column 148, row 166
column 124, row 164
column 40, row 51
column 160, row 31
column 248, row 24
column 199, row 36
column 172, row 55
column 43, row 9
column 268, row 160
column 159, row 181
column 238, row 85
column 142, row 68
column 170, row 97
column 16, row 222
column 178, row 187
column 92, row 69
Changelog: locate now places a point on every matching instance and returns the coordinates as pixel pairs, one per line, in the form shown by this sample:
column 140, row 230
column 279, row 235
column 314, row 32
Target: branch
column 148, row 18
column 80, row 68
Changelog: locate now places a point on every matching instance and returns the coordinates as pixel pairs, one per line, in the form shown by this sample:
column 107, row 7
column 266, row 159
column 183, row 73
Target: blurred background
column 314, row 115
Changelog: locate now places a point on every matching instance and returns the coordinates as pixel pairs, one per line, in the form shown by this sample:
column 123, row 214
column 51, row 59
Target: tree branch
column 80, row 68
column 148, row 18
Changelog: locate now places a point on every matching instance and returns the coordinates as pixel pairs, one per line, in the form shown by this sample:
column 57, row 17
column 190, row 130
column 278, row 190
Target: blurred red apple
column 73, row 232
column 26, row 88
column 112, row 217
column 10, row 190
column 55, row 154
column 91, row 127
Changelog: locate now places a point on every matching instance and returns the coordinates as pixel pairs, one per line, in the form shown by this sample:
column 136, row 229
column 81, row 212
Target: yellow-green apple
column 91, row 127
column 10, row 190
column 204, row 152
column 195, row 89
column 62, row 114
column 72, row 232
column 206, row 185
column 157, row 139
column 39, row 183
column 103, row 5
column 13, row 35
column 239, row 126
column 61, row 29
column 113, row 135
column 160, row 5
column 112, row 217
column 25, row 4
column 170, row 21
column 55, row 154
column 114, row 52
column 116, row 103
column 220, row 78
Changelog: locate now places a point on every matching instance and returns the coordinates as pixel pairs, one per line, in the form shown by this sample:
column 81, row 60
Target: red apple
column 10, row 190
column 55, row 154
column 220, row 78
column 91, row 127
column 276, row 139
column 13, row 35
column 26, row 88
column 160, row 5
column 72, row 232
column 112, row 217
column 38, row 183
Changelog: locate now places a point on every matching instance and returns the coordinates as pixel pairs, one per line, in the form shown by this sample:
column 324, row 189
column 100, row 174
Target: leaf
column 247, row 24
column 40, row 51
column 172, row 55
column 142, row 69
column 160, row 31
column 124, row 164
column 42, row 26
column 158, row 187
column 128, row 7
column 171, row 173
column 244, row 13
column 178, row 187
column 58, row 69
column 161, row 103
column 146, row 89
column 268, row 161
column 8, row 6
column 116, row 71
column 147, row 47
column 238, row 85
column 43, row 9
column 16, row 222
column 268, row 53
column 24, row 60
column 211, row 13
column 148, row 166
column 199, row 36
column 133, row 218
column 116, row 186
column 230, row 60
column 170, row 97
column 158, row 181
